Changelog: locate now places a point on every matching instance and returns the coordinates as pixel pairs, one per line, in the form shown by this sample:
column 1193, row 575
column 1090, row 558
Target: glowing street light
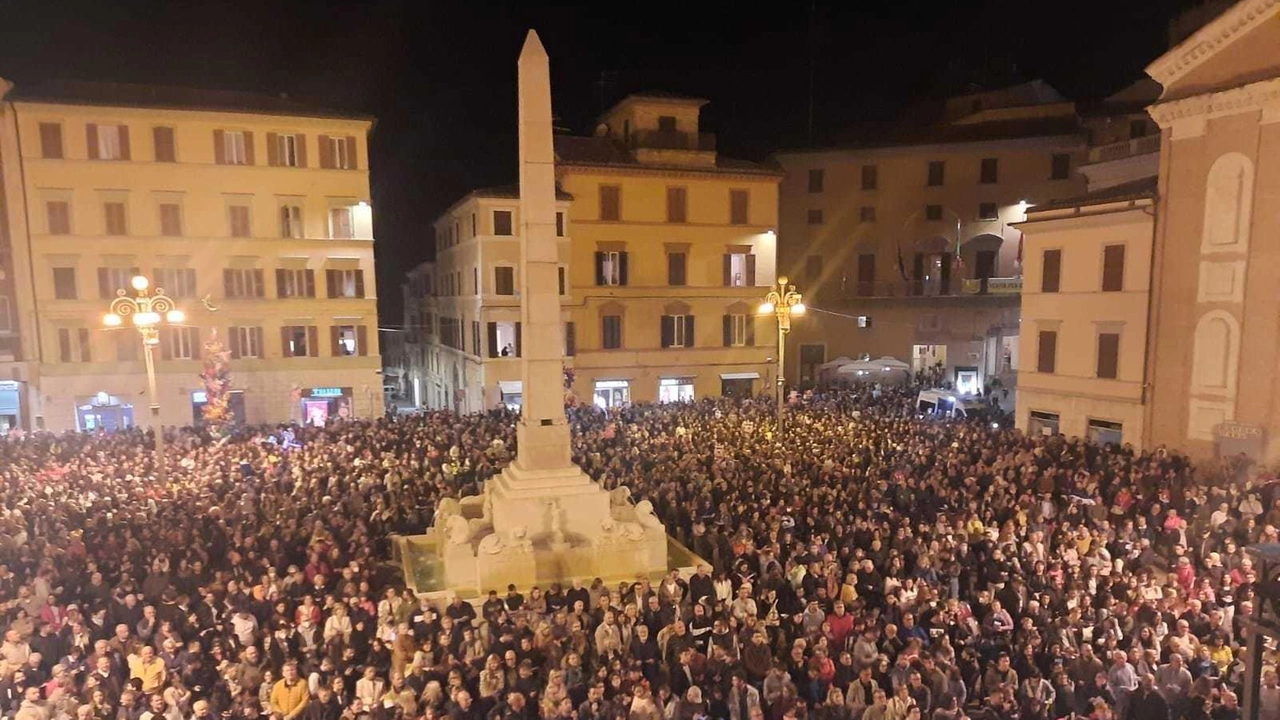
column 782, row 302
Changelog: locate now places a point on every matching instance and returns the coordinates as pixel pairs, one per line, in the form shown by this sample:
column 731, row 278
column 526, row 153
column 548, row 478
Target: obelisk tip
column 533, row 49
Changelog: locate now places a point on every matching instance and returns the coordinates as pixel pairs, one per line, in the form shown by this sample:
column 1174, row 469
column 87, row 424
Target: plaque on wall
column 1235, row 438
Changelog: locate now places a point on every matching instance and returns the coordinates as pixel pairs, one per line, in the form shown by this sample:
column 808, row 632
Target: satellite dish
column 602, row 130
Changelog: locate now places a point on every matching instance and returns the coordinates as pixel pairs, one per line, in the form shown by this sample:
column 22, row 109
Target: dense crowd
column 876, row 565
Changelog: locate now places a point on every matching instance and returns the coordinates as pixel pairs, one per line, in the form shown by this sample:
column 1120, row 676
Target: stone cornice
column 1205, row 42
column 1254, row 96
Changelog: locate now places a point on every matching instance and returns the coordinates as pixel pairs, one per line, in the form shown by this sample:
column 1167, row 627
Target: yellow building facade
column 252, row 214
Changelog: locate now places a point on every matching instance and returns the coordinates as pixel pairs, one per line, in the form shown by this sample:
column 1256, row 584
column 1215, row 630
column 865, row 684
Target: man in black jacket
column 1145, row 703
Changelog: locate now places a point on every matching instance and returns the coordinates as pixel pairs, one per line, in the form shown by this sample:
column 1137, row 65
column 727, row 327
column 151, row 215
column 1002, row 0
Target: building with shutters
column 673, row 248
column 251, row 212
column 903, row 243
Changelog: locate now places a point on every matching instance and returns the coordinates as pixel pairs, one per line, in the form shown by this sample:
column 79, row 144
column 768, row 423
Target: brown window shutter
column 258, row 342
column 280, row 282
column 311, row 283
column 1108, row 355
column 331, row 283
column 362, row 340
column 260, row 286
column 50, row 140
column 751, row 329
column 162, row 139
column 284, row 342
column 313, row 341
column 1048, row 352
column 1050, row 277
column 570, row 340
column 219, row 148
column 352, row 162
column 728, row 270
column 492, row 329
column 1113, row 268
column 248, row 148
column 91, row 139
column 728, row 330
column 751, row 270
column 326, row 152
column 273, row 152
column 125, row 154
column 359, row 283
column 519, row 344
column 234, row 342
column 302, row 150
column 334, row 349
column 227, row 286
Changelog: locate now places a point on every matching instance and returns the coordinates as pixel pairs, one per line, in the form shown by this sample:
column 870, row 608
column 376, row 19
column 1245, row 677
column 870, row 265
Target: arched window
column 1228, row 203
column 1216, row 354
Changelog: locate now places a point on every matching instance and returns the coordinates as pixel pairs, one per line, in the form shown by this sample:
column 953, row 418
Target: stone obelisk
column 543, row 519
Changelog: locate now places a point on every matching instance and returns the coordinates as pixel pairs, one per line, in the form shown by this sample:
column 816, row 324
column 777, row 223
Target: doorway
column 612, row 393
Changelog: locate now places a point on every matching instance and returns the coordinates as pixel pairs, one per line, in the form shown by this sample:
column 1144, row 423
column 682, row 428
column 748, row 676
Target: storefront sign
column 327, row 392
column 1236, row 438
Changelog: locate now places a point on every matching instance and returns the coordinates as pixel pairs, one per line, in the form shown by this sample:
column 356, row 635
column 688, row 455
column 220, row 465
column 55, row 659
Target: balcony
column 933, row 287
column 1125, row 149
column 673, row 140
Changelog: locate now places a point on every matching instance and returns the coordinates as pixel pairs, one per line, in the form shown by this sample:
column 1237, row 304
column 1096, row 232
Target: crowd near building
column 251, row 213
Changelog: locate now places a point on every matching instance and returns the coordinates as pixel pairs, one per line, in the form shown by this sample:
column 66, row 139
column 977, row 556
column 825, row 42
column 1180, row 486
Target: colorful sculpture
column 216, row 375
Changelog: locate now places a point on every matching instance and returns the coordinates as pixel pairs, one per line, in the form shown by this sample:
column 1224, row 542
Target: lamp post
column 147, row 309
column 783, row 301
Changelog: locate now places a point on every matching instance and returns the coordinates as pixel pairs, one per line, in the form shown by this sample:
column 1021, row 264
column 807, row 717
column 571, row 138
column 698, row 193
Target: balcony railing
column 673, row 140
column 1125, row 149
column 930, row 287
column 993, row 286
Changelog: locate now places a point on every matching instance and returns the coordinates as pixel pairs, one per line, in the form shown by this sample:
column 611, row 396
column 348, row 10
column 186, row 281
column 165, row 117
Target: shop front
column 10, row 406
column 675, row 389
column 512, row 392
column 323, row 405
column 103, row 411
column 612, row 393
column 738, row 385
column 235, row 403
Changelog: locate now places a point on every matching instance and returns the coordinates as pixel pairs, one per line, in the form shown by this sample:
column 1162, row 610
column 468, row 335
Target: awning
column 512, row 387
column 740, row 376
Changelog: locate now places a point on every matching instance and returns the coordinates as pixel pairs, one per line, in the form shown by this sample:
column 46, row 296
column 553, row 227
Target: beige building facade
column 251, row 213
column 905, row 245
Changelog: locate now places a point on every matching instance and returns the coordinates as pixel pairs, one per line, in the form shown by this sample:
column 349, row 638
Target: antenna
column 604, row 86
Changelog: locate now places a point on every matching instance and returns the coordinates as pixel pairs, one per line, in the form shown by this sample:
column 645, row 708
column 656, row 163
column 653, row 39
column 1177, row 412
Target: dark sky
column 440, row 76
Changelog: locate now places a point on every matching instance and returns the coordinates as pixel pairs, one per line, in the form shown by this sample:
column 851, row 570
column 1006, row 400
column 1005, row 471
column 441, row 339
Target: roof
column 79, row 92
column 889, row 135
column 1139, row 189
column 1228, row 25
column 511, row 191
column 608, row 152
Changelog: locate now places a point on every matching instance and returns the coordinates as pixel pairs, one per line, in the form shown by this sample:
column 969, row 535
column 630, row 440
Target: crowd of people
column 876, row 565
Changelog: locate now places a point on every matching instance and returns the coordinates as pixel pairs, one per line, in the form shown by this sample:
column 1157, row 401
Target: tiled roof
column 1133, row 190
column 607, row 152
column 888, row 135
column 177, row 98
column 511, row 191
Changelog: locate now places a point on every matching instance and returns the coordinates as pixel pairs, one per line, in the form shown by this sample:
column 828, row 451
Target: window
column 111, row 279
column 666, row 123
column 58, row 217
column 180, row 343
column 870, row 177
column 1047, row 357
column 475, row 281
column 611, row 332
column 677, row 331
column 165, row 147
column 677, row 205
column 298, row 341
column 1138, row 129
column 113, row 218
column 677, row 269
column 345, row 283
column 64, row 345
column 501, row 222
column 504, row 339
column 291, row 221
column 560, row 225
column 739, row 204
column 988, row 211
column 287, row 151
column 739, row 270
column 347, row 340
column 1051, row 276
column 238, row 216
column 990, row 171
column 610, row 202
column 341, row 226
column 64, row 283
column 570, row 340
column 475, row 338
column 867, row 213
column 504, row 281
column 82, row 339
column 1108, row 355
column 50, row 140
column 815, row 217
column 338, row 153
column 864, row 322
column 245, row 342
column 937, row 173
column 739, row 330
column 107, row 142
column 170, row 219
column 235, row 147
column 611, row 268
column 1113, row 268
column 1060, row 166
column 563, row 280
column 817, row 178
column 176, row 282
column 295, row 283
column 242, row 283
column 933, row 212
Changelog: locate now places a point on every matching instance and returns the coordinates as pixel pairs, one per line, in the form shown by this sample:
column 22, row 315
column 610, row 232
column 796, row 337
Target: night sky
column 440, row 76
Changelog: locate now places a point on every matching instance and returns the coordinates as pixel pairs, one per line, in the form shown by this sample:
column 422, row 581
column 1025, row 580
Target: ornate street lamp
column 783, row 301
column 147, row 309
